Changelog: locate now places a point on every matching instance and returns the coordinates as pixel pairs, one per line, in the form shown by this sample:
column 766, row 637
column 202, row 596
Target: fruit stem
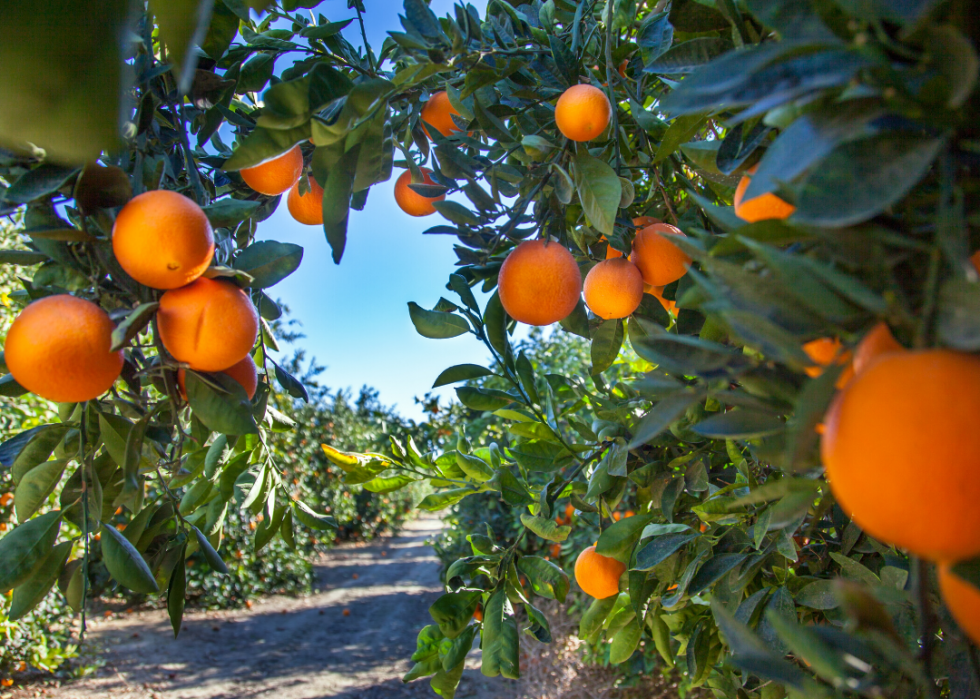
column 927, row 620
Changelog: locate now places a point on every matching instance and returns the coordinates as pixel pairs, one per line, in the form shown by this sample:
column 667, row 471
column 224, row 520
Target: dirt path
column 290, row 648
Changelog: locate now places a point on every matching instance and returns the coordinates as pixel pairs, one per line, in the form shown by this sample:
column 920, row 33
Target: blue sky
column 355, row 315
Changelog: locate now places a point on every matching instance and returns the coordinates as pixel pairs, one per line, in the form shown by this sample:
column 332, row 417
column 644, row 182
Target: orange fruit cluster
column 59, row 346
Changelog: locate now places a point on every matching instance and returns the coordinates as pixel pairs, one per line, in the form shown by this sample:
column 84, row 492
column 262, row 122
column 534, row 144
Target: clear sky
column 355, row 314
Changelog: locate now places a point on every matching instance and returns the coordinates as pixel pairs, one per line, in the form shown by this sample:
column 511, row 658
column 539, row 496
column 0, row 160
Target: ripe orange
column 209, row 324
column 962, row 600
column 306, row 208
column 162, row 239
column 622, row 67
column 902, row 452
column 644, row 221
column 244, row 372
column 539, row 284
column 411, row 202
column 598, row 575
column 569, row 511
column 760, row 208
column 614, row 288
column 277, row 175
column 555, row 550
column 975, row 260
column 6, row 499
column 877, row 342
column 478, row 613
column 58, row 348
column 657, row 292
column 437, row 112
column 660, row 261
column 582, row 112
column 825, row 351
column 617, row 516
column 629, row 513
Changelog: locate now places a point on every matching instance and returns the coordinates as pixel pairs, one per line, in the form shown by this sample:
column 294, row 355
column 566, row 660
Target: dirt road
column 290, row 648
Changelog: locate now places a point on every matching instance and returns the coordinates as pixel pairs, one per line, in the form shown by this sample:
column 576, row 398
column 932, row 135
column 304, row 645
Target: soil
column 351, row 639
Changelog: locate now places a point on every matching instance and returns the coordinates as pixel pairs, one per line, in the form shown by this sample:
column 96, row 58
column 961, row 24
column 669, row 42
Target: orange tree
column 785, row 175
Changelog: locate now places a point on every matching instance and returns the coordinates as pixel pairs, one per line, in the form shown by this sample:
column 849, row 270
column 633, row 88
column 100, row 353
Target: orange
column 614, row 288
column 555, row 550
column 582, row 112
column 975, row 260
column 617, row 516
column 58, row 348
column 629, row 513
column 877, row 342
column 569, row 511
column 162, row 239
column 6, row 499
column 244, row 372
column 209, row 324
column 276, row 175
column 598, row 575
column 413, row 203
column 539, row 284
column 478, row 613
column 962, row 600
column 437, row 112
column 825, row 351
column 762, row 207
column 660, row 261
column 902, row 452
column 306, row 208
column 622, row 67
column 657, row 292
column 644, row 221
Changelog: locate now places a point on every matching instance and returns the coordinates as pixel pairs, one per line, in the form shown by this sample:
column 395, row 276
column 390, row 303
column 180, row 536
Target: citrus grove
column 758, row 214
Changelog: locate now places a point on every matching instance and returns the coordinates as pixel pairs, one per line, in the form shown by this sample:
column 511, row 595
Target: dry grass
column 556, row 670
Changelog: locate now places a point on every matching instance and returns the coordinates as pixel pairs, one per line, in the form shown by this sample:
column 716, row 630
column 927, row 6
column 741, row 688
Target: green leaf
column 501, row 645
column 661, row 415
column 461, row 372
column 681, row 130
column 229, row 212
column 311, row 519
column 440, row 500
column 21, row 257
column 382, row 486
column 436, row 325
column 337, row 190
column 545, row 527
column 818, row 594
column 456, row 212
column 486, row 399
column 35, row 487
column 607, row 339
column 29, row 594
column 210, row 555
column 599, row 190
column 713, row 570
column 740, row 423
column 221, row 403
column 124, row 562
column 66, row 70
column 617, row 540
column 474, row 467
column 132, row 324
column 537, row 455
column 659, row 549
column 176, row 592
column 546, row 579
column 183, row 25
column 269, row 262
column 595, row 615
column 45, row 179
column 860, row 179
column 23, row 549
column 626, row 640
column 27, row 449
column 264, row 144
column 453, row 611
column 688, row 56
